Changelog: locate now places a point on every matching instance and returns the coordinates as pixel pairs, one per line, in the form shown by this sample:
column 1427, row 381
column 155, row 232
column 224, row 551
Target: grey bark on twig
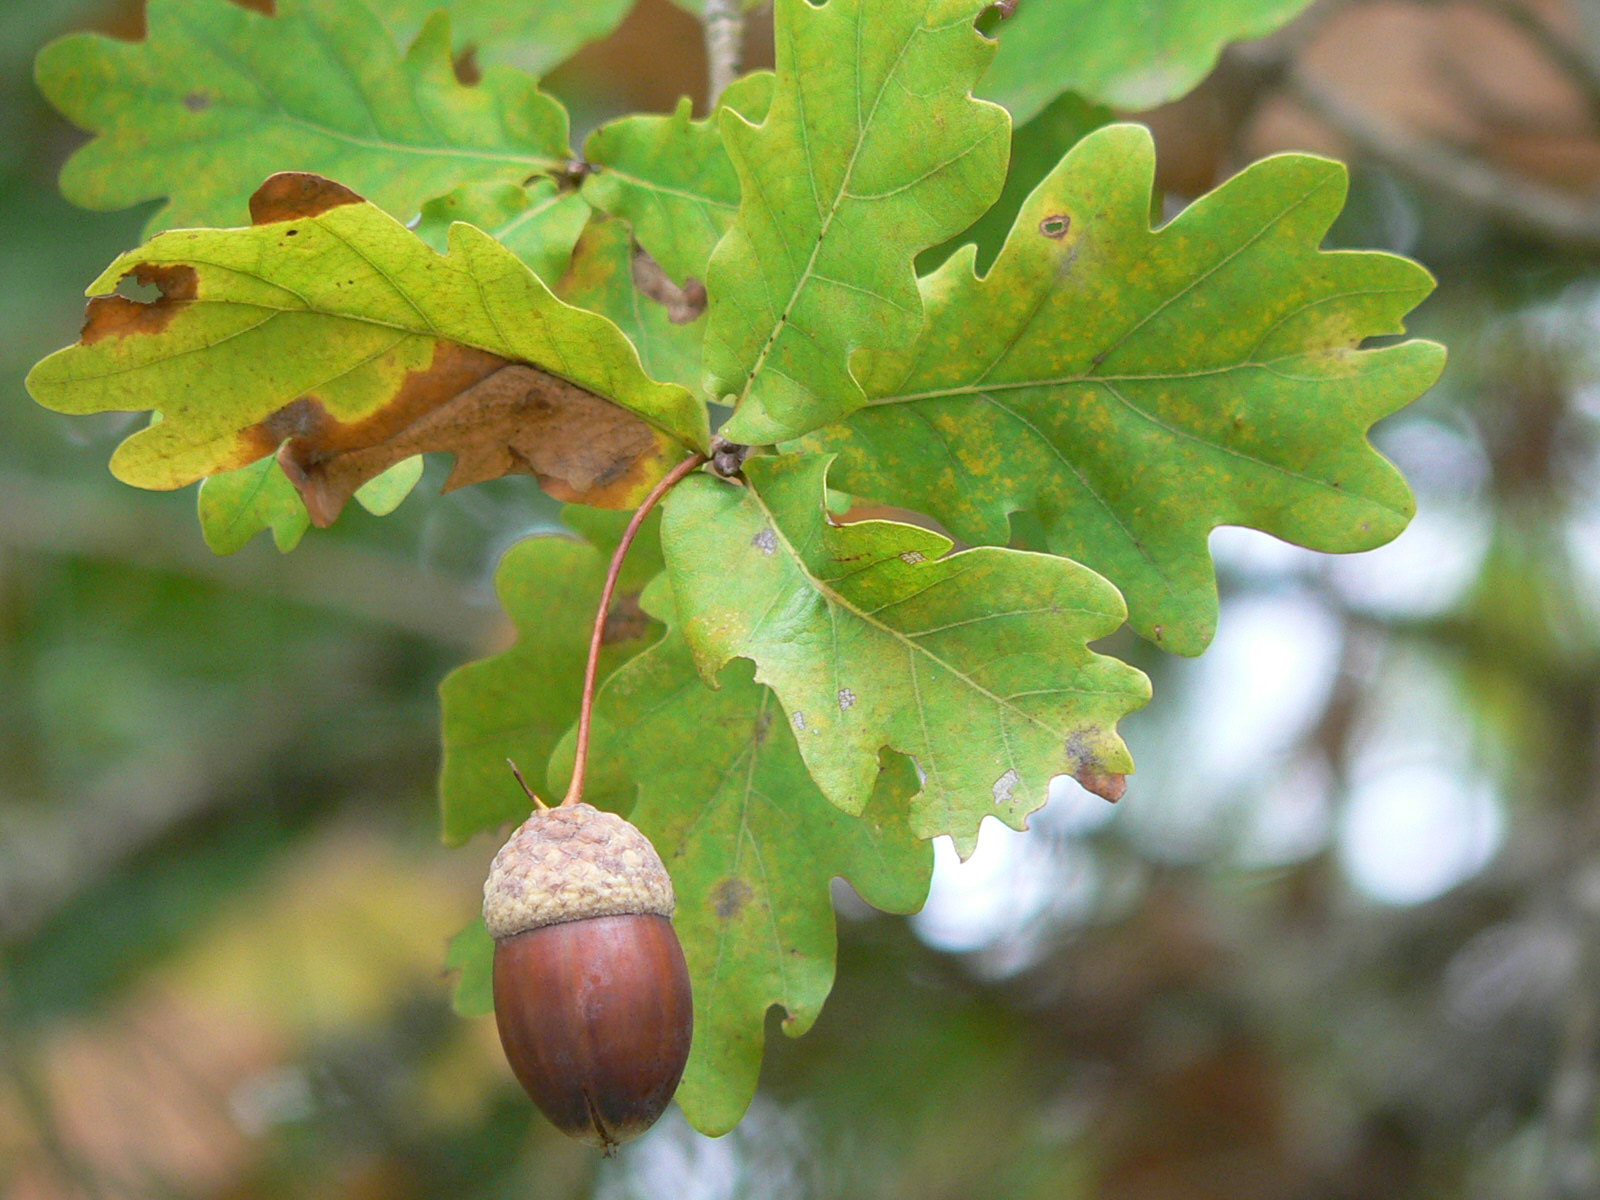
column 724, row 25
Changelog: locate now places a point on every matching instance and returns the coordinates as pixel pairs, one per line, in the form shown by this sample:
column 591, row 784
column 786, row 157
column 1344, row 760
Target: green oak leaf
column 976, row 664
column 471, row 956
column 873, row 150
column 519, row 703
column 1036, row 148
column 671, row 178
column 329, row 323
column 237, row 505
column 218, row 97
column 539, row 223
column 1131, row 54
column 1134, row 389
column 752, row 846
column 533, row 35
column 601, row 279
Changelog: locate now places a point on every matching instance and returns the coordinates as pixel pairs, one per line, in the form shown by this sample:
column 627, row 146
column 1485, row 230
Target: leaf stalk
column 580, row 760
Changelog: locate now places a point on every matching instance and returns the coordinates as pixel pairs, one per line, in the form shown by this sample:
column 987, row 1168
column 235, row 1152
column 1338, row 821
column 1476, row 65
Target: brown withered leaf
column 497, row 417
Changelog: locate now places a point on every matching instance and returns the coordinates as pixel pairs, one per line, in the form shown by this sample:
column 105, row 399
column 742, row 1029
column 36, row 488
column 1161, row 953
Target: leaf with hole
column 331, row 336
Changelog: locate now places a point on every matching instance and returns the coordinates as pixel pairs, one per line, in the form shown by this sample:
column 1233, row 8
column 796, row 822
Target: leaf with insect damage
column 671, row 178
column 1130, row 54
column 1132, row 389
column 516, row 705
column 874, row 635
column 873, row 150
column 328, row 334
column 714, row 778
column 217, row 97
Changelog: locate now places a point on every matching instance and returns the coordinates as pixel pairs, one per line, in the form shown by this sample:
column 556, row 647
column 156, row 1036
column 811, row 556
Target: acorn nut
column 591, row 991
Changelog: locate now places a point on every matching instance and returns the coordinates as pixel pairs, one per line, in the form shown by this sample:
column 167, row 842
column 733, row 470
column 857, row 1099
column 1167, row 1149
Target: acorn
column 591, row 991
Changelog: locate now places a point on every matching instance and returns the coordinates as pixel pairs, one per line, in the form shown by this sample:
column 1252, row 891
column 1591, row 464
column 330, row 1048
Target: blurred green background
column 1341, row 941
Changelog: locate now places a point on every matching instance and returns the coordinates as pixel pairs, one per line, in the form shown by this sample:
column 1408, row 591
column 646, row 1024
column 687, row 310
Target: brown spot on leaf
column 121, row 316
column 292, row 195
column 468, row 70
column 197, row 102
column 1103, row 784
column 1055, row 226
column 497, row 417
column 729, row 897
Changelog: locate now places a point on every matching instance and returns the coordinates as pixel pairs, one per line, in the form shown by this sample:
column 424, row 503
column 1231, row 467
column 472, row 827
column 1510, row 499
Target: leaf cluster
column 907, row 305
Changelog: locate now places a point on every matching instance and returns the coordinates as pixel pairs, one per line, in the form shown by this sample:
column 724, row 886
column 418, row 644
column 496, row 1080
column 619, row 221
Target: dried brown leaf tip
column 1106, row 785
column 294, row 195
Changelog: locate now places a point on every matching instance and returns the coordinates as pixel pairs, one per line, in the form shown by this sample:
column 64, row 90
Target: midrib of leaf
column 528, row 214
column 1012, row 385
column 1104, row 383
column 389, row 279
column 843, row 193
column 906, row 640
column 1061, row 457
column 651, row 185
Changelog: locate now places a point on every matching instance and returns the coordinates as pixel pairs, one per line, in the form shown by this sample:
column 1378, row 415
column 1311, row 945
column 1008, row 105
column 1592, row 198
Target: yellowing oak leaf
column 873, row 635
column 328, row 334
column 1134, row 388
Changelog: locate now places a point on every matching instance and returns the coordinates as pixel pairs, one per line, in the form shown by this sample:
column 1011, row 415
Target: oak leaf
column 329, row 335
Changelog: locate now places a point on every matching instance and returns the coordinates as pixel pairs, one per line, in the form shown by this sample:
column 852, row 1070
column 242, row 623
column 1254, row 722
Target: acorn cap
column 572, row 862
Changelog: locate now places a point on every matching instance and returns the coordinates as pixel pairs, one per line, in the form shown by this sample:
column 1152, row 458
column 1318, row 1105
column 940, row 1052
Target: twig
column 1578, row 67
column 724, row 25
column 580, row 760
column 1528, row 207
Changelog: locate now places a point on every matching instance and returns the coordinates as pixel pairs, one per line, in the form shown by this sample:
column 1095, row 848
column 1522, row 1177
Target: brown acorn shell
column 596, row 1019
